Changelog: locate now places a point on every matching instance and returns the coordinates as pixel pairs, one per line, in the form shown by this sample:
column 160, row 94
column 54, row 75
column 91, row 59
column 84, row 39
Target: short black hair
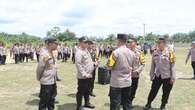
column 132, row 40
column 161, row 39
column 50, row 40
column 82, row 39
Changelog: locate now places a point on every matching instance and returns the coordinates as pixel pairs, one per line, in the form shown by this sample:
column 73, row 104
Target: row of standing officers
column 125, row 63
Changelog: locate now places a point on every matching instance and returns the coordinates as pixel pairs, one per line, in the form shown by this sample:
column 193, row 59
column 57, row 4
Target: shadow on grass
column 68, row 106
column 185, row 79
column 136, row 107
column 73, row 95
column 33, row 102
column 35, row 94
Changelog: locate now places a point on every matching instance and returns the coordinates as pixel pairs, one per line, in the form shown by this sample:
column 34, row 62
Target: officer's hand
column 88, row 76
column 172, row 81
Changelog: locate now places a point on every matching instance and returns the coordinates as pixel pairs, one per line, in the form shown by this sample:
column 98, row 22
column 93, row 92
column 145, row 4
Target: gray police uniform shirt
column 84, row 63
column 16, row 50
column 46, row 69
column 161, row 66
column 1, row 50
column 192, row 54
column 123, row 67
column 138, row 66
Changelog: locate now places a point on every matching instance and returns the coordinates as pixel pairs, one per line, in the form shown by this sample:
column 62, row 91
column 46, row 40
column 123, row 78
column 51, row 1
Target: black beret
column 50, row 40
column 123, row 37
column 82, row 39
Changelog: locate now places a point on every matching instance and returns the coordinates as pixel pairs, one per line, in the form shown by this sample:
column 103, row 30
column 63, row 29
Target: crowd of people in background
column 125, row 61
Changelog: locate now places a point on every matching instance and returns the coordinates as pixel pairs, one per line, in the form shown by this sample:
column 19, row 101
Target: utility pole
column 144, row 34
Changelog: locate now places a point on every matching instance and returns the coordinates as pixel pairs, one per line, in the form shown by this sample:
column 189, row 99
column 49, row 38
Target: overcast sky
column 97, row 17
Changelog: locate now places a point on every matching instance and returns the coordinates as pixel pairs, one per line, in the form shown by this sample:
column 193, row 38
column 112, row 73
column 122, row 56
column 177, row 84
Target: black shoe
column 89, row 106
column 58, row 79
column 131, row 105
column 147, row 107
column 80, row 108
column 162, row 107
column 92, row 94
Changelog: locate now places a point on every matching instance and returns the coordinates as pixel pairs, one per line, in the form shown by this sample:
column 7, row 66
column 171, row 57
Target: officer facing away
column 162, row 73
column 121, row 64
column 192, row 54
column 46, row 74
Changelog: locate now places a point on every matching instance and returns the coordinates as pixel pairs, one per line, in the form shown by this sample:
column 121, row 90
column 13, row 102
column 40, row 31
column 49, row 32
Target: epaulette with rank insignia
column 111, row 61
column 171, row 56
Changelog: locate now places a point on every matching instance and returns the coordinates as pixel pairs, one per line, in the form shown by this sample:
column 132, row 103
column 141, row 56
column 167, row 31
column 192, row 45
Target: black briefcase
column 103, row 75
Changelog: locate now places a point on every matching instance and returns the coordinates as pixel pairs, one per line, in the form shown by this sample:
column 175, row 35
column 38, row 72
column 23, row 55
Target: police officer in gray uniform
column 46, row 74
column 85, row 67
column 192, row 54
column 121, row 64
column 138, row 66
column 162, row 73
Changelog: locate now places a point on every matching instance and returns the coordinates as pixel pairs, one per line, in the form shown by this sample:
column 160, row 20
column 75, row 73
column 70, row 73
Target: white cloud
column 97, row 17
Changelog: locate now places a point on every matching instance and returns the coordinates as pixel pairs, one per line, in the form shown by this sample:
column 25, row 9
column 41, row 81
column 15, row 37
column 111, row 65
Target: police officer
column 138, row 66
column 95, row 58
column 16, row 53
column 192, row 54
column 1, row 53
column 162, row 73
column 59, row 49
column 121, row 64
column 65, row 51
column 46, row 74
column 85, row 67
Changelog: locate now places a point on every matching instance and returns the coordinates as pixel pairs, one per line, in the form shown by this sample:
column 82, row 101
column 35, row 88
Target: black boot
column 89, row 105
column 92, row 94
column 162, row 107
column 147, row 107
column 131, row 104
column 80, row 108
column 79, row 102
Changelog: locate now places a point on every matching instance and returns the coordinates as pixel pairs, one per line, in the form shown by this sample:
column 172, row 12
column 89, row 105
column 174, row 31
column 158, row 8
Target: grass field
column 19, row 88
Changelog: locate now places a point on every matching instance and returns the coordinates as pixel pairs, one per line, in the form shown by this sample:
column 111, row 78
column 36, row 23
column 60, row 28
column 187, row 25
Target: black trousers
column 31, row 55
column 26, row 56
column 16, row 57
column 47, row 97
column 134, row 85
column 65, row 57
column 21, row 57
column 166, row 87
column 83, row 91
column 193, row 67
column 73, row 57
column 3, row 59
column 37, row 55
column 118, row 97
column 59, row 56
column 92, row 81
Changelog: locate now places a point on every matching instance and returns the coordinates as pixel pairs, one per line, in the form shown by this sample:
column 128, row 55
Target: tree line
column 70, row 37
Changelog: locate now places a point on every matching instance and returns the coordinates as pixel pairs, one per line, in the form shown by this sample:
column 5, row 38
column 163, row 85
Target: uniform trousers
column 193, row 67
column 83, row 90
column 166, row 89
column 118, row 97
column 47, row 97
column 134, row 85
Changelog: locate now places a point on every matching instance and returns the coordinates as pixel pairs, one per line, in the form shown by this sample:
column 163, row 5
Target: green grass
column 19, row 88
